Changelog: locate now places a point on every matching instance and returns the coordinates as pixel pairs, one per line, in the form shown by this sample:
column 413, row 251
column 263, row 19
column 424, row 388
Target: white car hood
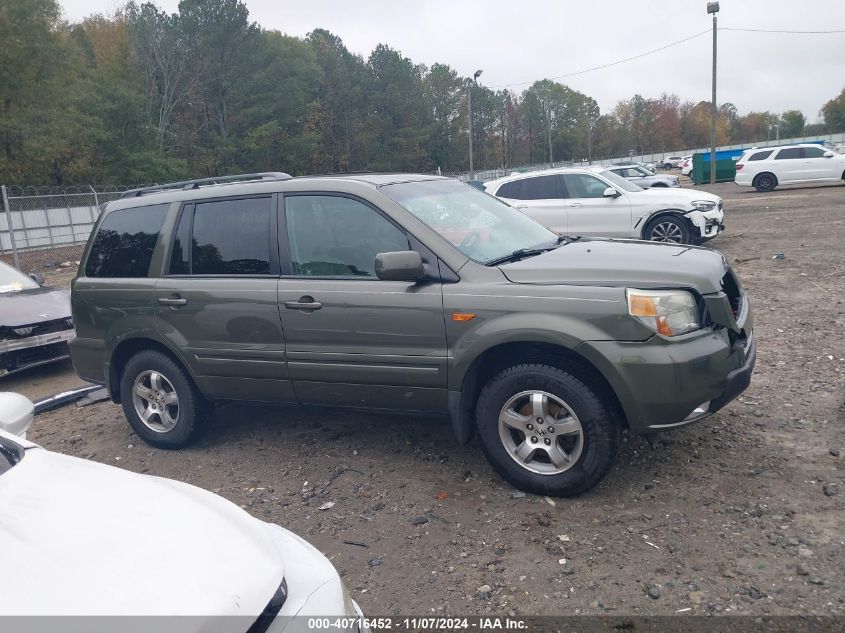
column 81, row 538
column 675, row 195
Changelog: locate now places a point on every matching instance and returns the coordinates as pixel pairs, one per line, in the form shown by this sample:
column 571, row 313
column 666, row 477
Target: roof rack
column 187, row 185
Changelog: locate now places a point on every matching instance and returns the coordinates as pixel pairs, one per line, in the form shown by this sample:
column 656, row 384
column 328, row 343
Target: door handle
column 575, row 205
column 304, row 303
column 172, row 302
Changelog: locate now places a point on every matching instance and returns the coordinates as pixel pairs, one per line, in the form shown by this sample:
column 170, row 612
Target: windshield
column 12, row 280
column 480, row 226
column 619, row 181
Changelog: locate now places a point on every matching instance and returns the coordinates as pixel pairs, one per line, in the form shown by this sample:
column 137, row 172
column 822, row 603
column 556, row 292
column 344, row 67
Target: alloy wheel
column 156, row 401
column 540, row 432
column 667, row 232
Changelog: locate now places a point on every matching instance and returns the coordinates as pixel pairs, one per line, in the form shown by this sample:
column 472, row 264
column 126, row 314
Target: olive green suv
column 399, row 292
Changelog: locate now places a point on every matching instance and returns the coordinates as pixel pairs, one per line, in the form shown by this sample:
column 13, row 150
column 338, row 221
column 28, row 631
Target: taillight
column 739, row 166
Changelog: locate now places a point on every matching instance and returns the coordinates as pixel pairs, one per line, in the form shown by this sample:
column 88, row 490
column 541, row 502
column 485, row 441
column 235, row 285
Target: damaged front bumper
column 17, row 354
column 707, row 223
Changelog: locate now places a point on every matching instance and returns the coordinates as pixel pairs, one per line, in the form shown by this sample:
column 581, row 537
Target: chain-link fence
column 54, row 222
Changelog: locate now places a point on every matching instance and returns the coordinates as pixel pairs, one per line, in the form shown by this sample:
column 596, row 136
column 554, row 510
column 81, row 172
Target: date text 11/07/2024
column 417, row 624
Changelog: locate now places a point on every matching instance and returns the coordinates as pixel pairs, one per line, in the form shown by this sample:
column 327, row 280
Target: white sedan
column 88, row 539
column 594, row 202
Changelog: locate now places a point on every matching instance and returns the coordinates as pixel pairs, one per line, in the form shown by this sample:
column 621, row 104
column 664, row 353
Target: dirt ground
column 743, row 512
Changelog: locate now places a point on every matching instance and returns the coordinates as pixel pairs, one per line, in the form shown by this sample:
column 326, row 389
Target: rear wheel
column 667, row 228
column 546, row 431
column 160, row 401
column 667, row 166
column 765, row 182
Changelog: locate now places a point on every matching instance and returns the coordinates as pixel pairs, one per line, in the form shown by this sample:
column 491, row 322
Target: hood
column 81, row 538
column 674, row 194
column 36, row 305
column 623, row 263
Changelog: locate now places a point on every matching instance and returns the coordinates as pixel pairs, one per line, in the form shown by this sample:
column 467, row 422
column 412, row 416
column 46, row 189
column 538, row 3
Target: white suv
column 764, row 168
column 670, row 162
column 594, row 202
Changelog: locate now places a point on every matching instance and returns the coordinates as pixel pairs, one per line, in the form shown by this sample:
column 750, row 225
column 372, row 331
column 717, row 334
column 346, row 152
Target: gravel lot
column 741, row 513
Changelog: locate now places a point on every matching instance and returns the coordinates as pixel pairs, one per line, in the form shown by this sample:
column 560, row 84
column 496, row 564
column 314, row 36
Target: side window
column 124, row 244
column 510, row 190
column 813, row 152
column 223, row 237
column 583, row 186
column 790, row 153
column 335, row 236
column 542, row 188
column 761, row 155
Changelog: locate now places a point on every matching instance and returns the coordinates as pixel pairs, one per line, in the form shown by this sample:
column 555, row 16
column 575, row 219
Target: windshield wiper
column 529, row 252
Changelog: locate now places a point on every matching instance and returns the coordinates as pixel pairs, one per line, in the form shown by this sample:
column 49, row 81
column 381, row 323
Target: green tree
column 833, row 113
column 792, row 124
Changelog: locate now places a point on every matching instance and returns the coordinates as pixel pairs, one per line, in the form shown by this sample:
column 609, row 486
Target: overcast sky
column 516, row 43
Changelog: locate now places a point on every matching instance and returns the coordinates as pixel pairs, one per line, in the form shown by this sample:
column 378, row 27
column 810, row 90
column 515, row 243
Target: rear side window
column 510, row 190
column 813, row 152
column 223, row 237
column 542, row 188
column 790, row 153
column 761, row 155
column 124, row 244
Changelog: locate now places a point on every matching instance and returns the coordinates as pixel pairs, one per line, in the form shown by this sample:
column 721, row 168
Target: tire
column 658, row 184
column 177, row 412
column 585, row 430
column 667, row 228
column 765, row 182
column 667, row 166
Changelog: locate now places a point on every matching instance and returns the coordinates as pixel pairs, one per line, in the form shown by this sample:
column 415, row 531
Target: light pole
column 549, row 128
column 713, row 7
column 469, row 117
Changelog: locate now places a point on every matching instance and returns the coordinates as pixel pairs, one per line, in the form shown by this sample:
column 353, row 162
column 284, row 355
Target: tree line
column 145, row 96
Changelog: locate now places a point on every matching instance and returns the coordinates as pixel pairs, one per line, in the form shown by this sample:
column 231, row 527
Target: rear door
column 217, row 301
column 591, row 214
column 789, row 165
column 353, row 339
column 539, row 197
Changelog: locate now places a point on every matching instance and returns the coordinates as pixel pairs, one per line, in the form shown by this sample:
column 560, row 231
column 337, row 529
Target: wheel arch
column 508, row 354
column 126, row 349
column 656, row 214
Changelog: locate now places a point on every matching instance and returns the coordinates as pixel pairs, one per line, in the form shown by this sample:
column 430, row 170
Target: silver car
column 643, row 177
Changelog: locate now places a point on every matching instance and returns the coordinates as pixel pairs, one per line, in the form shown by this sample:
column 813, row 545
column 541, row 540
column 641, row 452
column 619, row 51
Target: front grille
column 37, row 329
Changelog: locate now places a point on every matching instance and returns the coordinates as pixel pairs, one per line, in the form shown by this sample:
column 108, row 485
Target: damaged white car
column 594, row 202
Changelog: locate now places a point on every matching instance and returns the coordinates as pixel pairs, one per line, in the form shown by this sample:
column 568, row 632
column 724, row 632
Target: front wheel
column 546, row 431
column 667, row 228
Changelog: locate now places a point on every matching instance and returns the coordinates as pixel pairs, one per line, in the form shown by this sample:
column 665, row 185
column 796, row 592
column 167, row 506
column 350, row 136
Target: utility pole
column 8, row 210
column 549, row 127
column 469, row 119
column 713, row 7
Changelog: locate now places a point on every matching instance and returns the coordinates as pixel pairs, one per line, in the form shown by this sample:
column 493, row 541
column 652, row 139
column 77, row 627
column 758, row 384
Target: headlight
column 667, row 312
column 703, row 205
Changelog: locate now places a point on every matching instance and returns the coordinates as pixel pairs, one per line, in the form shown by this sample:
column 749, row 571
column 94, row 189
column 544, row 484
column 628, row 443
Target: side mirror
column 399, row 266
column 37, row 278
column 610, row 192
column 16, row 412
column 828, row 154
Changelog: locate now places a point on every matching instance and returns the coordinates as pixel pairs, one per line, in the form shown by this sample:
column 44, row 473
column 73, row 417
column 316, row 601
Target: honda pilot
column 398, row 292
